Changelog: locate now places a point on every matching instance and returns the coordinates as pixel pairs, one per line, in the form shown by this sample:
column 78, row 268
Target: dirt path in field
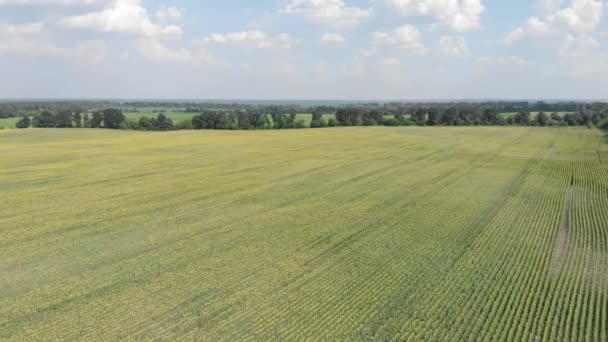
column 562, row 238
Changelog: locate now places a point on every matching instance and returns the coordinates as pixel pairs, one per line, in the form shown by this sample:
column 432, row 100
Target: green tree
column 96, row 119
column 113, row 118
column 25, row 122
column 63, row 119
column 263, row 122
column 77, row 118
column 556, row 118
column 147, row 124
column 86, row 121
column 522, row 118
column 164, row 123
column 542, row 119
column 44, row 120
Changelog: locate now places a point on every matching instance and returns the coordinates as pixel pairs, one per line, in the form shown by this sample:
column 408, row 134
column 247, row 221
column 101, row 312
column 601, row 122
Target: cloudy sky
column 304, row 49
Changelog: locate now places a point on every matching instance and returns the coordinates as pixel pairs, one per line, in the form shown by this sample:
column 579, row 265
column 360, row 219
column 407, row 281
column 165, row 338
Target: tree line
column 454, row 116
column 278, row 118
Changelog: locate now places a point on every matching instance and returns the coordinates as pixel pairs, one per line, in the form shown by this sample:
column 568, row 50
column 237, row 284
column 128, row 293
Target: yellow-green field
column 461, row 234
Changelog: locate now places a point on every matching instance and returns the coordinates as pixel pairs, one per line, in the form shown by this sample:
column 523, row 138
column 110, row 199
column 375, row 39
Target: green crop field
column 408, row 233
column 533, row 115
column 175, row 116
column 8, row 122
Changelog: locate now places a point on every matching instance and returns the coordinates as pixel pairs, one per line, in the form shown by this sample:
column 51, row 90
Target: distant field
column 532, row 114
column 175, row 116
column 8, row 122
column 419, row 234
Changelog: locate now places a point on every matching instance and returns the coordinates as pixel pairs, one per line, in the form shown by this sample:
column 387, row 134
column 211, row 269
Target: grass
column 532, row 114
column 8, row 122
column 321, row 234
column 175, row 116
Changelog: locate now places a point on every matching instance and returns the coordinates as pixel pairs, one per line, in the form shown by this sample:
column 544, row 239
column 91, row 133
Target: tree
column 332, row 122
column 433, row 118
column 317, row 114
column 419, row 116
column 77, row 118
column 450, row 117
column 570, row 120
column 210, row 120
column 490, row 117
column 44, row 120
column 147, row 124
column 244, row 121
column 86, row 122
column 164, row 123
column 542, row 119
column 522, row 118
column 96, row 119
column 63, row 119
column 263, row 122
column 25, row 122
column 556, row 118
column 113, row 118
column 280, row 121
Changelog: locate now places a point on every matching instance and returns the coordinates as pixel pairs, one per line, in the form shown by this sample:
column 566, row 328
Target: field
column 408, row 233
column 177, row 117
column 533, row 115
column 8, row 122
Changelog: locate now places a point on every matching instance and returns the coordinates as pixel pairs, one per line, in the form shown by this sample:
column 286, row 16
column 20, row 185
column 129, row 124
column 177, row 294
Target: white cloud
column 155, row 51
column 581, row 16
column 514, row 36
column 503, row 62
column 332, row 38
column 389, row 61
column 368, row 52
column 580, row 58
column 126, row 16
column 93, row 52
column 21, row 29
column 20, row 46
column 454, row 46
column 328, row 12
column 459, row 15
column 284, row 41
column 548, row 7
column 252, row 38
column 169, row 13
column 406, row 38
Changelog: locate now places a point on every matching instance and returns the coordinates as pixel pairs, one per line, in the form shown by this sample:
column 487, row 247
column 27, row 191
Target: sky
column 304, row 49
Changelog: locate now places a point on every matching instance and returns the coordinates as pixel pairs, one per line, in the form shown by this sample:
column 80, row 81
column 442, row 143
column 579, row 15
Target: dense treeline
column 285, row 117
column 15, row 109
column 107, row 118
column 357, row 116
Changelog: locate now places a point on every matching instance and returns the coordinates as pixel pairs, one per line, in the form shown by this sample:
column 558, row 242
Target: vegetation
column 407, row 233
column 261, row 115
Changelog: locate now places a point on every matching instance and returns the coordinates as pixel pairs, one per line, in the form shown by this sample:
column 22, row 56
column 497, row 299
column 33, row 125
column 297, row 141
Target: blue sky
column 304, row 49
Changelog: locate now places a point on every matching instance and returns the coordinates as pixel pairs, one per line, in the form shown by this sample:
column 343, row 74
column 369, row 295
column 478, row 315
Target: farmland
column 407, row 233
column 8, row 122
